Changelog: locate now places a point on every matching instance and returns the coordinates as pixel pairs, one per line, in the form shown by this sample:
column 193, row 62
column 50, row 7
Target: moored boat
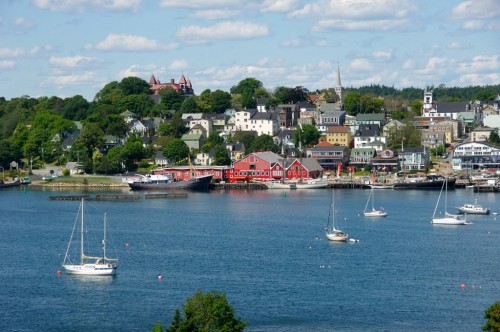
column 473, row 208
column 166, row 182
column 428, row 182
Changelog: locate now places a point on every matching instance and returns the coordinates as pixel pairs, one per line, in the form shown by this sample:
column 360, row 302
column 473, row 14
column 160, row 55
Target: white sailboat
column 373, row 212
column 331, row 231
column 447, row 219
column 89, row 265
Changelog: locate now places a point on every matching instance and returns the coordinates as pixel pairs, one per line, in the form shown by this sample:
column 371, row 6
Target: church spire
column 338, row 85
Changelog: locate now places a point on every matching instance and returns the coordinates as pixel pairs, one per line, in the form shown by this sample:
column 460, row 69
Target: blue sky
column 69, row 47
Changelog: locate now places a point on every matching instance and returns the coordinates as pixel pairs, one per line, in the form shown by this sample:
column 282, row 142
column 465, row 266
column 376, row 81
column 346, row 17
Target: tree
column 493, row 316
column 494, row 138
column 206, row 312
column 263, row 143
column 134, row 85
column 75, row 108
column 221, row 156
column 176, row 150
column 352, row 103
column 212, row 141
column 189, row 105
column 221, row 101
column 247, row 89
column 171, row 99
column 308, row 135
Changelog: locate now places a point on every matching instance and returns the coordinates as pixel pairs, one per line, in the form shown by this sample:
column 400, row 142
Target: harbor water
column 265, row 250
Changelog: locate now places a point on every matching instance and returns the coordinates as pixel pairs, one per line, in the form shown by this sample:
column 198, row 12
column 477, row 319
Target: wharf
column 165, row 196
column 97, row 197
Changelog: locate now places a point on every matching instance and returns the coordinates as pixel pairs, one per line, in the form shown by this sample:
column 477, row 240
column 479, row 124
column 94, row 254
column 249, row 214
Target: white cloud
column 382, row 55
column 7, row 64
column 178, row 65
column 196, row 4
column 223, row 30
column 280, row 6
column 361, row 65
column 72, row 61
column 71, row 79
column 215, row 14
column 473, row 25
column 408, row 64
column 130, row 43
column 434, row 66
column 24, row 23
column 12, row 52
column 374, row 9
column 368, row 25
column 457, row 46
column 81, row 6
column 477, row 79
column 480, row 64
column 479, row 9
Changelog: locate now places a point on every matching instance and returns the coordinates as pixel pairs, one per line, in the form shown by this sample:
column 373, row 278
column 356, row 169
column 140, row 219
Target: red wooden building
column 268, row 166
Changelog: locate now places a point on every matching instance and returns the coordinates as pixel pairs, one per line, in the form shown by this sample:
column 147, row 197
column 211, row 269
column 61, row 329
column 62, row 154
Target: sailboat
column 373, row 212
column 89, row 265
column 447, row 219
column 332, row 233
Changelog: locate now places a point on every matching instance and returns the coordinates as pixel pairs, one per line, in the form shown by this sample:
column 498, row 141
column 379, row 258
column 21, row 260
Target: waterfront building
column 329, row 156
column 475, row 156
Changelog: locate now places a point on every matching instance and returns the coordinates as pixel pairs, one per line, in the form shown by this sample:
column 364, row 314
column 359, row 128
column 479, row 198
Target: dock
column 70, row 198
column 179, row 195
column 116, row 197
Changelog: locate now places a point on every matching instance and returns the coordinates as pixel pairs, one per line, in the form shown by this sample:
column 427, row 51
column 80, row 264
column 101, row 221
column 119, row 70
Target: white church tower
column 428, row 110
column 338, row 86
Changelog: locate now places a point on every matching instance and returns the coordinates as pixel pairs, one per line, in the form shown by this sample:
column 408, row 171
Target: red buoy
column 58, row 272
column 462, row 286
column 126, row 245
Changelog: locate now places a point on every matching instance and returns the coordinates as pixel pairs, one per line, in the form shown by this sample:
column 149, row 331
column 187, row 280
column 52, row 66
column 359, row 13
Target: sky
column 75, row 47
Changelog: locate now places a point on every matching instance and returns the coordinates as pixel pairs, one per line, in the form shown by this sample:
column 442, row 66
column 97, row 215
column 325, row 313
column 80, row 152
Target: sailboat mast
column 104, row 239
column 81, row 235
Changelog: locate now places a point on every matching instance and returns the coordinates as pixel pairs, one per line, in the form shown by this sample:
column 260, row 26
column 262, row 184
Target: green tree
column 134, row 85
column 247, row 89
column 352, row 103
column 171, row 99
column 494, row 138
column 132, row 151
column 221, row 101
column 308, row 135
column 221, row 156
column 212, row 141
column 189, row 105
column 75, row 108
column 206, row 312
column 90, row 138
column 493, row 316
column 176, row 150
column 263, row 143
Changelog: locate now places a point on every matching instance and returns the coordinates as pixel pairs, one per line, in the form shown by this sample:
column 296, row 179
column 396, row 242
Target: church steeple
column 338, row 86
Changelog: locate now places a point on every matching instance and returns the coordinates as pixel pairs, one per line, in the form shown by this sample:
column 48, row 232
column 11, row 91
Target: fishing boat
column 427, row 182
column 373, row 212
column 331, row 231
column 473, row 208
column 93, row 265
column 447, row 218
column 166, row 182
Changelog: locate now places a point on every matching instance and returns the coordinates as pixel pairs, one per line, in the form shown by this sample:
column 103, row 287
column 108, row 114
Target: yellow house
column 338, row 135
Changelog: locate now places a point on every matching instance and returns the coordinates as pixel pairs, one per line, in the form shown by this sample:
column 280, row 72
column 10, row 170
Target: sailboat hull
column 91, row 269
column 448, row 221
column 375, row 213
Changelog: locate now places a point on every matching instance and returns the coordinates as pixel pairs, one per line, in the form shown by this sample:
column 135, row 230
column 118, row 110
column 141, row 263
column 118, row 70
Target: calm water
column 265, row 250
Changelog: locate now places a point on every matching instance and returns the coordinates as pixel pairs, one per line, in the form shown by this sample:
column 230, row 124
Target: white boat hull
column 473, row 210
column 448, row 221
column 336, row 237
column 375, row 213
column 91, row 269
